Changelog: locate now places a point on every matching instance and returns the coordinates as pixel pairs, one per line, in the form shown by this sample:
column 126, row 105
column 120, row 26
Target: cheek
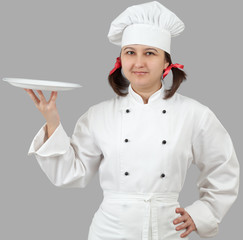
column 126, row 67
column 157, row 68
column 127, row 62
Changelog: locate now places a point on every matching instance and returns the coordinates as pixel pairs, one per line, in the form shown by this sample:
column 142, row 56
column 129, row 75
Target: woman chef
column 143, row 141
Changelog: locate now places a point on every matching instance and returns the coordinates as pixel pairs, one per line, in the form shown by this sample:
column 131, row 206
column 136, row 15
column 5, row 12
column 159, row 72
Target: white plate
column 41, row 84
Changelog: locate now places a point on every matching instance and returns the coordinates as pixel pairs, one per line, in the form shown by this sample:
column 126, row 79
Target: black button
column 126, row 140
column 164, row 142
column 126, row 173
column 162, row 175
column 127, row 110
column 164, row 111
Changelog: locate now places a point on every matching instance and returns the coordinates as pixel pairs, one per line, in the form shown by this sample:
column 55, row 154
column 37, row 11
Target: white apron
column 133, row 216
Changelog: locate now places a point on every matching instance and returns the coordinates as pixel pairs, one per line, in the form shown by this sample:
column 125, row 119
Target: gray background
column 67, row 41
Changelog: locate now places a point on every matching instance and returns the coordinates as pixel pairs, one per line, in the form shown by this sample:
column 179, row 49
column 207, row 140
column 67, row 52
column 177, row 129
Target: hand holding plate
column 47, row 109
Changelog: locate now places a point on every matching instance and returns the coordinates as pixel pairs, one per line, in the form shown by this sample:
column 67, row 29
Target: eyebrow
column 144, row 49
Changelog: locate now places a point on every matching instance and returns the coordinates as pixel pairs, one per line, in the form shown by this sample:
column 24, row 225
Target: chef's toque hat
column 149, row 24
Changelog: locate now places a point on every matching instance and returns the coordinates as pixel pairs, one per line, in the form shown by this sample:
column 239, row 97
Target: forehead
column 141, row 47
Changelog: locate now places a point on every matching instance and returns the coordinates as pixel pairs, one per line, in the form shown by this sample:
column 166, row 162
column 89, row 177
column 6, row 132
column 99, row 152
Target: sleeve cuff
column 203, row 218
column 57, row 144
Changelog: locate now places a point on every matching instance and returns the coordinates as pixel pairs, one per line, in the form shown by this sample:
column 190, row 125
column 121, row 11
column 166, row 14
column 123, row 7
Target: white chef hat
column 149, row 24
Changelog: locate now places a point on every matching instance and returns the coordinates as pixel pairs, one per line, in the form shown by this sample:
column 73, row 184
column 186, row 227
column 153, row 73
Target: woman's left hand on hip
column 188, row 224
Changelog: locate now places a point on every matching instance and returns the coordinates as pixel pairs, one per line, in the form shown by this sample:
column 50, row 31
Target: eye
column 150, row 52
column 129, row 52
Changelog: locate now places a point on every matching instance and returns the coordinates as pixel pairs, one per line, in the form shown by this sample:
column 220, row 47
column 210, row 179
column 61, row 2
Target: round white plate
column 41, row 84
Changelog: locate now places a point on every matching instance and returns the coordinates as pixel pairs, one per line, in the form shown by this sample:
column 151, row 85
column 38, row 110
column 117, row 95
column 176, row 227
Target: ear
column 166, row 65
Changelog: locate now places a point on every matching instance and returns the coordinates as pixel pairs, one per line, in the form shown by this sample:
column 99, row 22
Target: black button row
column 127, row 111
column 164, row 111
column 162, row 175
column 163, row 142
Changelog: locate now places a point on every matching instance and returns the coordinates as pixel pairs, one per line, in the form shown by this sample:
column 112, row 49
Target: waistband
column 156, row 196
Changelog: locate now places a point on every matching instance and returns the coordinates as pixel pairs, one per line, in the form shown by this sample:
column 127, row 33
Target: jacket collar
column 155, row 97
column 156, row 100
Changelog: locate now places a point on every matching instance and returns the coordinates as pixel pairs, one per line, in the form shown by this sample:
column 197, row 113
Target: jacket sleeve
column 68, row 162
column 218, row 182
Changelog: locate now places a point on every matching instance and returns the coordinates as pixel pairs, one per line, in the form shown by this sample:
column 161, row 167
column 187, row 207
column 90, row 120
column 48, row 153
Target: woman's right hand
column 47, row 109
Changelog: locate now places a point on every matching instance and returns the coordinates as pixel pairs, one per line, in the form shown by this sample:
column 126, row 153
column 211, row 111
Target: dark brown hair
column 120, row 84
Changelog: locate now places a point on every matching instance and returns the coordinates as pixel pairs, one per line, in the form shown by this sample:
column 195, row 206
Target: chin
column 139, row 82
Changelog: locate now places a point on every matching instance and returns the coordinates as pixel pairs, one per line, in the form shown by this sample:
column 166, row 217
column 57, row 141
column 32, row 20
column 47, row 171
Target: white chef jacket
column 142, row 152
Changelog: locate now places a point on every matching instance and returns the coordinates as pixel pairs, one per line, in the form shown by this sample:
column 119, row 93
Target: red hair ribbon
column 117, row 65
column 171, row 66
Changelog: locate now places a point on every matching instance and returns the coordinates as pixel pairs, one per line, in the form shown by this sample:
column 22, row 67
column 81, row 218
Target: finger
column 187, row 232
column 182, row 226
column 180, row 210
column 41, row 95
column 33, row 96
column 180, row 219
column 53, row 96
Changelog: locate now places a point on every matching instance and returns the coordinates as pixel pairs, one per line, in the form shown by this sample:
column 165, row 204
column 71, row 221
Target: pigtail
column 118, row 83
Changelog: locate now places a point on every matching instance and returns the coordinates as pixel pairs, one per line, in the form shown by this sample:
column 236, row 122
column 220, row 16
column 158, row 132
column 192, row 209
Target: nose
column 139, row 61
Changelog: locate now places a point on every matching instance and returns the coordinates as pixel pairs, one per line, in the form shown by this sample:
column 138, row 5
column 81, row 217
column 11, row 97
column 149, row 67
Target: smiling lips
column 140, row 73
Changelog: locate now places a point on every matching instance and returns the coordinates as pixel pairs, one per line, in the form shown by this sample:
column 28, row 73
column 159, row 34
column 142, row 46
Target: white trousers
column 136, row 216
